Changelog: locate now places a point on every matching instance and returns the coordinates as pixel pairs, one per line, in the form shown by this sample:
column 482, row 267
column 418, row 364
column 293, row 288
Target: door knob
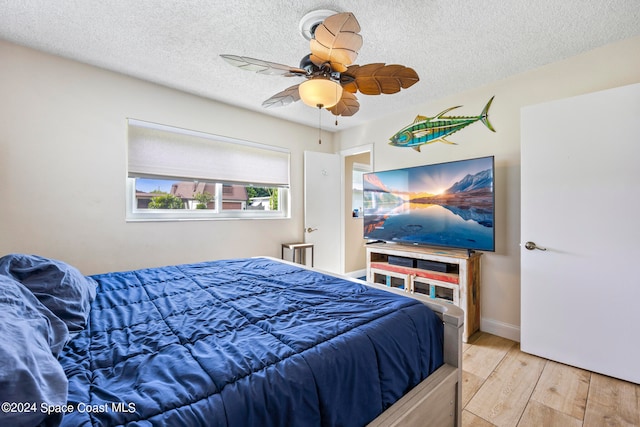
column 531, row 246
column 310, row 230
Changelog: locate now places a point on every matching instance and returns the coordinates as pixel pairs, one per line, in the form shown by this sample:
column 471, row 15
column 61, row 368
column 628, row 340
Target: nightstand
column 298, row 252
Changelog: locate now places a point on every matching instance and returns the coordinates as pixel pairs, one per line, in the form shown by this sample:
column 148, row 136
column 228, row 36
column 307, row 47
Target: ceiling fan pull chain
column 319, row 124
column 338, row 98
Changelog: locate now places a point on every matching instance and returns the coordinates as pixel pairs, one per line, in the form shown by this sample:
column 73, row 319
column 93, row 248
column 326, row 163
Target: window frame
column 135, row 214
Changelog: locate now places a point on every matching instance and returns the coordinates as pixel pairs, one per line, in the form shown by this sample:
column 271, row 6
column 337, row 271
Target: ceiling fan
column 331, row 77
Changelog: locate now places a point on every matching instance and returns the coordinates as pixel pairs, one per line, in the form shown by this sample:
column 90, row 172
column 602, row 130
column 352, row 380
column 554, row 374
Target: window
column 176, row 174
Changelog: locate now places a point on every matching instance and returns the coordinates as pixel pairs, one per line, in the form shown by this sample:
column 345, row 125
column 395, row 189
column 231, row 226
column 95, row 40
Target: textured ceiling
column 454, row 45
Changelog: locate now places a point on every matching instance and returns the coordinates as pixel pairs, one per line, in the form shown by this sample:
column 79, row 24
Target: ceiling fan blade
column 263, row 67
column 374, row 79
column 283, row 98
column 337, row 41
column 347, row 106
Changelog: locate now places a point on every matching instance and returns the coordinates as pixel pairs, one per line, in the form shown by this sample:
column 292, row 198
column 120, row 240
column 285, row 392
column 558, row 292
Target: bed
column 254, row 341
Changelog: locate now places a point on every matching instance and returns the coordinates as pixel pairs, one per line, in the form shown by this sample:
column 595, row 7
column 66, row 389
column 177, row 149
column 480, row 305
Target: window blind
column 161, row 150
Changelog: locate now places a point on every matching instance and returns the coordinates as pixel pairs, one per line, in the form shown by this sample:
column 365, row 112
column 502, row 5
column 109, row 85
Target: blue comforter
column 245, row 342
column 43, row 303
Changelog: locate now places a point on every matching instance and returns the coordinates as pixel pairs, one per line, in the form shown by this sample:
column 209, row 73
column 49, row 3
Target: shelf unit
column 458, row 283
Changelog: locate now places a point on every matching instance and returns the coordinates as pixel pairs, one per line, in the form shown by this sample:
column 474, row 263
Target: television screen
column 446, row 204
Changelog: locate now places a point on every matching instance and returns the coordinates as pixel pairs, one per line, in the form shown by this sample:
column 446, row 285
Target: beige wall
column 610, row 66
column 63, row 167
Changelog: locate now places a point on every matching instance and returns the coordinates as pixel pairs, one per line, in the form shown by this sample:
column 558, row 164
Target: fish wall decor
column 427, row 130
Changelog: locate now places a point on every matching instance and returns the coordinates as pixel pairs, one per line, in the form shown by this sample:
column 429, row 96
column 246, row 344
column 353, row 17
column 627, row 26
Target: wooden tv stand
column 450, row 275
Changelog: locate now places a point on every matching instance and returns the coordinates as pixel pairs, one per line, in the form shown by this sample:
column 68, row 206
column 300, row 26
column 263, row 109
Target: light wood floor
column 502, row 386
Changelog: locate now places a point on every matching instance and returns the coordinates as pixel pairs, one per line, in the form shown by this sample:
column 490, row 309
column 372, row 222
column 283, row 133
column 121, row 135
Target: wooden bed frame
column 437, row 400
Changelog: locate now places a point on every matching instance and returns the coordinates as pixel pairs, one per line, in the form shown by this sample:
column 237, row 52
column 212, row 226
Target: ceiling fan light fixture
column 334, row 43
column 320, row 92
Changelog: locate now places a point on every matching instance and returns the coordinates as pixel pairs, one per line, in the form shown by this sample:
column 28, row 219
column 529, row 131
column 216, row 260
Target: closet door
column 322, row 208
column 580, row 234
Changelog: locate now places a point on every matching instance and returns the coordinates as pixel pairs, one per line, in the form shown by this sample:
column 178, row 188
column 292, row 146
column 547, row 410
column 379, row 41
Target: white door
column 322, row 208
column 580, row 297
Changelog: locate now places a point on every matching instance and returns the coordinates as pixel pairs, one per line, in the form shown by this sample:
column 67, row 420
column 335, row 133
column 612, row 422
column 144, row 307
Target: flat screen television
column 446, row 204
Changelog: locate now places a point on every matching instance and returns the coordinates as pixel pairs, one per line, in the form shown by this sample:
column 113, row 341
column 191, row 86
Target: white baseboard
column 501, row 329
column 356, row 274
